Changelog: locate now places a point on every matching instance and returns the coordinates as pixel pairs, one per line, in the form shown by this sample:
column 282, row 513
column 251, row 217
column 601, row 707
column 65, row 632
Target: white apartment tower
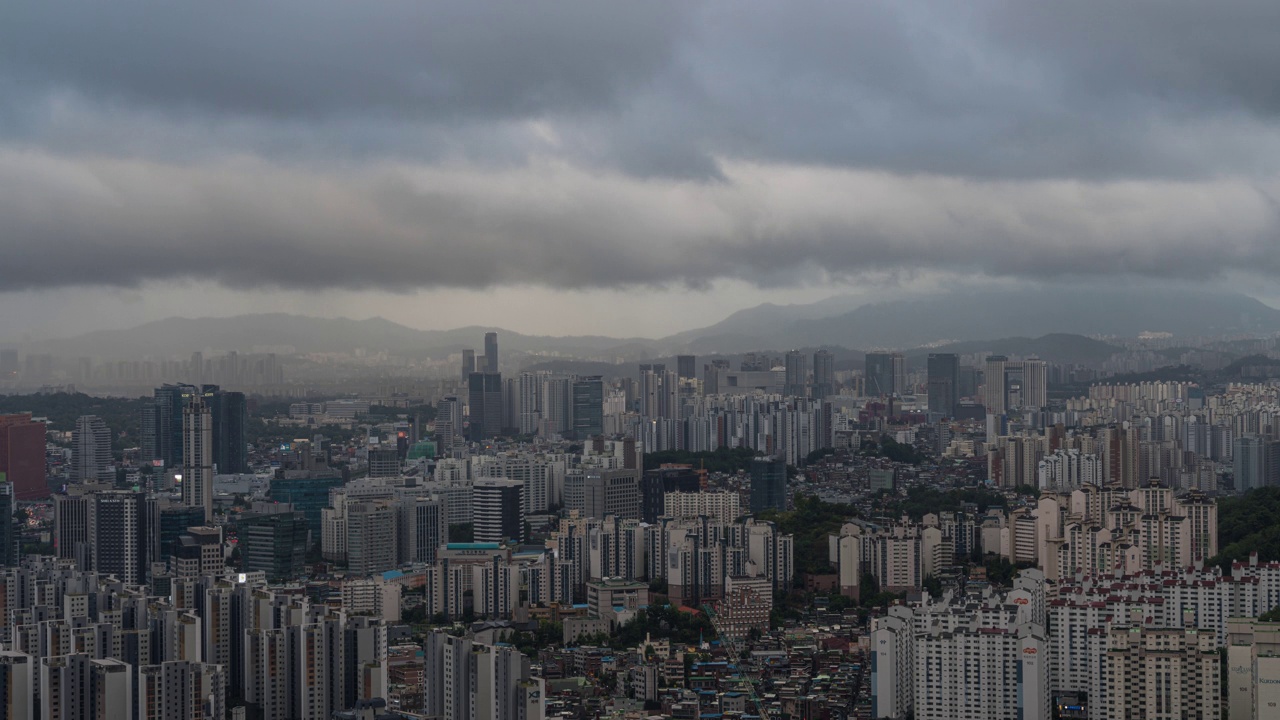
column 197, row 456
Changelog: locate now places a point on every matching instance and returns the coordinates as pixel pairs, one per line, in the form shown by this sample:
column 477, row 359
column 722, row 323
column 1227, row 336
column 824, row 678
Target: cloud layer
column 402, row 145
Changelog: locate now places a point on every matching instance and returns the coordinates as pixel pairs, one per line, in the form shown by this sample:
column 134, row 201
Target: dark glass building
column 484, row 396
column 171, row 523
column 228, row 411
column 656, row 483
column 768, row 484
column 308, row 492
column 275, row 544
column 8, row 533
column 944, row 383
column 687, row 366
column 588, row 407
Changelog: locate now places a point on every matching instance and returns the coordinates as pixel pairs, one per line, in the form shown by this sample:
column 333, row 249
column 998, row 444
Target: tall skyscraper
column 491, row 352
column 944, row 383
column 588, row 407
column 484, row 396
column 687, row 366
column 449, row 422
column 197, row 456
column 91, row 451
column 885, row 374
column 824, row 376
column 1013, row 384
column 8, row 534
column 768, row 484
column 162, row 422
column 468, row 363
column 1249, row 462
column 22, row 442
column 195, row 371
column 498, row 509
column 659, row 392
column 556, row 403
column 118, row 535
column 423, row 528
column 229, row 412
column 797, row 375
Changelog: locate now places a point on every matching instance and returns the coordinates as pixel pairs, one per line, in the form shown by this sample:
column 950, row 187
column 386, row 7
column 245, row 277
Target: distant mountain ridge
column 964, row 315
column 1053, row 323
column 306, row 334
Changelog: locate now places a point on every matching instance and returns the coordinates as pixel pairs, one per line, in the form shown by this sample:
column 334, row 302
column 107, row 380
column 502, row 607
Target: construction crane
column 734, row 653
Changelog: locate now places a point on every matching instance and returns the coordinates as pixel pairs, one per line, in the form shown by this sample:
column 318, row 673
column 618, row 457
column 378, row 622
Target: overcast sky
column 630, row 168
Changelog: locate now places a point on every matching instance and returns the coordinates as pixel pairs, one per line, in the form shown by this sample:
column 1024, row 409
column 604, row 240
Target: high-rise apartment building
column 491, row 352
column 91, row 451
column 768, row 484
column 498, row 509
column 22, row 443
column 466, row 680
column 1162, row 673
column 1249, row 462
column 944, row 383
column 197, row 456
column 181, row 689
column 797, row 375
column 659, row 391
column 824, row 376
column 449, row 423
column 18, row 679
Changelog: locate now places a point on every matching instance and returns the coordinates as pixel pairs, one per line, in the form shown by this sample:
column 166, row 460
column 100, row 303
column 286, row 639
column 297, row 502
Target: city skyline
column 669, row 360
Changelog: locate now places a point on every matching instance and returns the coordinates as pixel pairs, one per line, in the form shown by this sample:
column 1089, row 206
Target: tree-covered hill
column 1247, row 524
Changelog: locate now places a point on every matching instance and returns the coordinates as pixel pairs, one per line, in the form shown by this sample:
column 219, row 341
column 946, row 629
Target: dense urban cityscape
column 773, row 535
column 661, row 360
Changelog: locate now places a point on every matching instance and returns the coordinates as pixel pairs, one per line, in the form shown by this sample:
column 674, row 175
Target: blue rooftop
column 473, row 546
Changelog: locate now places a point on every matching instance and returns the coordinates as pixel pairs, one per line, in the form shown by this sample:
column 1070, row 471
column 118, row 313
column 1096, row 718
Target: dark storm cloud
column 584, row 144
column 308, row 59
column 245, row 223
